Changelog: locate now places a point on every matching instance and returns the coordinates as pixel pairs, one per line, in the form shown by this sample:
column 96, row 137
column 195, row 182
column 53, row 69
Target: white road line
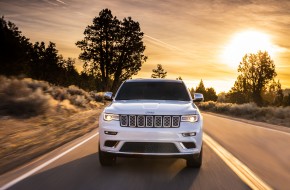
column 251, row 179
column 33, row 171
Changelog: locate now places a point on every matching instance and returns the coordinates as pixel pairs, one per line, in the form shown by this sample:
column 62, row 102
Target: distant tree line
column 209, row 94
column 112, row 51
column 20, row 57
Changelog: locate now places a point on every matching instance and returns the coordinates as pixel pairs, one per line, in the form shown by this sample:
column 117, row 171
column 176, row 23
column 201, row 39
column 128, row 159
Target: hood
column 151, row 107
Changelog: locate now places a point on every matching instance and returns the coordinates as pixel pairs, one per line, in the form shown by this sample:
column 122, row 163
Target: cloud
column 163, row 44
column 59, row 1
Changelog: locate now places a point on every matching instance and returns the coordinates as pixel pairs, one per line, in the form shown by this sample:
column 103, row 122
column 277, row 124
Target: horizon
column 195, row 40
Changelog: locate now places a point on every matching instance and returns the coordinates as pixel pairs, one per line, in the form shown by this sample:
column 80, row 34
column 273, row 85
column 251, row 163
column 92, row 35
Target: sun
column 246, row 42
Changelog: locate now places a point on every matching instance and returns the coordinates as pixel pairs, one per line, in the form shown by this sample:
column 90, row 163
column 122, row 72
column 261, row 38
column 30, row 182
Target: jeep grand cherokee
column 151, row 117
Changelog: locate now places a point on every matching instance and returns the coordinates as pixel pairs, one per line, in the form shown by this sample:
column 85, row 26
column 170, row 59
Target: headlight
column 189, row 118
column 110, row 117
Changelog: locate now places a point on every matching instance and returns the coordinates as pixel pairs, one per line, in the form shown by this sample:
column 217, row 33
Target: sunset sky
column 194, row 39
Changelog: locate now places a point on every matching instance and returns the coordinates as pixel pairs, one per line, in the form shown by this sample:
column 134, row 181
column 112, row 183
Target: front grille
column 165, row 121
column 149, row 147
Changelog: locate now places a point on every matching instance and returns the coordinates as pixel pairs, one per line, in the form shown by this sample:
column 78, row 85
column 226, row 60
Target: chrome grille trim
column 149, row 121
column 124, row 120
column 175, row 121
column 141, row 121
column 166, row 121
column 158, row 121
column 132, row 120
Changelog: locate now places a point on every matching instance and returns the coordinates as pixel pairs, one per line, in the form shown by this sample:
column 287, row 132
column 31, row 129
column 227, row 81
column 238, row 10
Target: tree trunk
column 258, row 98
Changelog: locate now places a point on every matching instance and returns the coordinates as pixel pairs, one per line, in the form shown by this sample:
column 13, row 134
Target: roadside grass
column 36, row 117
column 272, row 115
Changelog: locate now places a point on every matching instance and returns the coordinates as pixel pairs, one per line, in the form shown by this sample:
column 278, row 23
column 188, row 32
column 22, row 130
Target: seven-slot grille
column 165, row 121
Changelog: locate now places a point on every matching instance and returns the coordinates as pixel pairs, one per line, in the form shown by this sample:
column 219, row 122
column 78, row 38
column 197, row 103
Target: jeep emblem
column 149, row 112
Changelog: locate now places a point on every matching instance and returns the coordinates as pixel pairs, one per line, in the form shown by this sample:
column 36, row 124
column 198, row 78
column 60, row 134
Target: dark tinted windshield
column 153, row 91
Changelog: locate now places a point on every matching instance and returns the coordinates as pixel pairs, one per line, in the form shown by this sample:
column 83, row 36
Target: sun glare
column 246, row 42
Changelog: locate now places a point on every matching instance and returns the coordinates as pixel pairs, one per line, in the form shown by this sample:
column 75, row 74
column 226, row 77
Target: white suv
column 151, row 117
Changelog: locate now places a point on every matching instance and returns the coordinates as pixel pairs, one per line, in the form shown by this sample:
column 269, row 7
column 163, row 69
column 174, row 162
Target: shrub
column 27, row 97
column 274, row 115
column 17, row 99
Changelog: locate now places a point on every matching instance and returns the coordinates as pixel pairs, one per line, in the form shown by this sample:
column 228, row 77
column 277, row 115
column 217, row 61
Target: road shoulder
column 257, row 123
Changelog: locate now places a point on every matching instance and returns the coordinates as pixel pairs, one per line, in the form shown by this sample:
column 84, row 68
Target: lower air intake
column 149, row 147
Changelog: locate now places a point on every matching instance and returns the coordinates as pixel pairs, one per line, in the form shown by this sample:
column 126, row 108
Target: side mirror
column 198, row 97
column 108, row 96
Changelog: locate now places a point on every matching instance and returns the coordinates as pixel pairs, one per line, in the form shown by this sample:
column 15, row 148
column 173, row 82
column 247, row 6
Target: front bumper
column 115, row 139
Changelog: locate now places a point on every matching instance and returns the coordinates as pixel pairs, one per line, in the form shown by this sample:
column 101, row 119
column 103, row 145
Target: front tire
column 195, row 161
column 106, row 159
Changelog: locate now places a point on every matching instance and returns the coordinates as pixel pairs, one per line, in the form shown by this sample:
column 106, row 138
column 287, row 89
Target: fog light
column 189, row 145
column 111, row 133
column 189, row 134
column 112, row 144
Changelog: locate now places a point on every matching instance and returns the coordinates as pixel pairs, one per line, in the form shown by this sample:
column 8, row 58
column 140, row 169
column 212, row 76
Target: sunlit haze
column 244, row 43
column 192, row 39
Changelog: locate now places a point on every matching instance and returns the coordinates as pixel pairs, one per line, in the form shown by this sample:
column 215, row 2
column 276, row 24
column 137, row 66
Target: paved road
column 265, row 151
column 80, row 169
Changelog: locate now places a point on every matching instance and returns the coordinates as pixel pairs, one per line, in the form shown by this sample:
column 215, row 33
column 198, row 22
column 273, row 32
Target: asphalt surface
column 264, row 151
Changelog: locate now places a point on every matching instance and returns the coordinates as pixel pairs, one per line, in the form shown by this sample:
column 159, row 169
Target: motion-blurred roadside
column 36, row 117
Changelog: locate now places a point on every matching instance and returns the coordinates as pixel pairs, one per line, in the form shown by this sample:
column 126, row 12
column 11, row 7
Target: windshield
column 153, row 91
